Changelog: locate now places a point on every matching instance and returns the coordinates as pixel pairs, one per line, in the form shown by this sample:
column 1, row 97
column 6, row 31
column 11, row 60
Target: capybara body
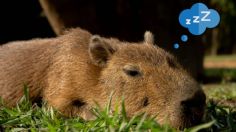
column 77, row 70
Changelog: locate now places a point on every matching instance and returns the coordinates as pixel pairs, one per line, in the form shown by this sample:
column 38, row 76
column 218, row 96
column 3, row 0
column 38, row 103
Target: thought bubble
column 184, row 38
column 198, row 18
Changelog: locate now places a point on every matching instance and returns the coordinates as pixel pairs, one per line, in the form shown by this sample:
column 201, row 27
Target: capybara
column 77, row 70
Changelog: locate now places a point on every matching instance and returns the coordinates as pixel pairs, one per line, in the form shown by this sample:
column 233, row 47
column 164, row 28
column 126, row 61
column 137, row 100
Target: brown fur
column 74, row 70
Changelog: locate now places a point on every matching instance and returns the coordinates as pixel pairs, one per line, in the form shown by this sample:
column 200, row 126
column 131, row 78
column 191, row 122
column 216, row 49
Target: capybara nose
column 193, row 107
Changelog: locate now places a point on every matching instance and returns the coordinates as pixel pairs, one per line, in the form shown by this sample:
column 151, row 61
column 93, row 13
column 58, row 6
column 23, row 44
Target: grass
column 28, row 117
column 221, row 91
column 218, row 95
column 220, row 68
column 221, row 58
column 221, row 74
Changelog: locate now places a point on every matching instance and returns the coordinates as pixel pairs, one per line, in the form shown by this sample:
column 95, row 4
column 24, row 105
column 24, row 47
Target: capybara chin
column 73, row 71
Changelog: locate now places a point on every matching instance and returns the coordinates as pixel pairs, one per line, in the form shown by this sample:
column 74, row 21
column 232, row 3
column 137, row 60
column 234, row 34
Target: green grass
column 28, row 117
column 221, row 74
column 221, row 91
column 224, row 74
column 221, row 58
column 225, row 114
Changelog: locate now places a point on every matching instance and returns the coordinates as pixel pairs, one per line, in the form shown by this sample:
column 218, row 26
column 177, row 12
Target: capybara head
column 149, row 79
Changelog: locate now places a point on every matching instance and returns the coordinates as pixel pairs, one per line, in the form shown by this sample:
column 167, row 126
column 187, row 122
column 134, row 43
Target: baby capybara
column 75, row 71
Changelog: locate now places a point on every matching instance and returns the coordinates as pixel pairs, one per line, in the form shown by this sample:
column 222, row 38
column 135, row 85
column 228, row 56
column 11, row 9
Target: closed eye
column 131, row 70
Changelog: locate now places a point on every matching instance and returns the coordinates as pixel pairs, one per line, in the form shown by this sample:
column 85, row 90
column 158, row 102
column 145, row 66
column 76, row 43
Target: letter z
column 196, row 19
column 207, row 13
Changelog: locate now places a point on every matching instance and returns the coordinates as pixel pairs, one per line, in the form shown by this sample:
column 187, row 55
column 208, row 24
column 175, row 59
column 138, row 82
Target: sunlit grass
column 221, row 91
column 28, row 117
column 221, row 58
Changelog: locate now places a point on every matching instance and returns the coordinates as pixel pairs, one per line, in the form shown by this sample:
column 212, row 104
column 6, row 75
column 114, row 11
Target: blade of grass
column 202, row 126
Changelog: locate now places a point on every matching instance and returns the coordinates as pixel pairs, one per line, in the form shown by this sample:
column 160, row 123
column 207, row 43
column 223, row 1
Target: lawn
column 28, row 117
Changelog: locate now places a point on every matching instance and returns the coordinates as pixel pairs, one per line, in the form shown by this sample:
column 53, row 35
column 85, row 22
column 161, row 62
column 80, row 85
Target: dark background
column 126, row 20
column 22, row 19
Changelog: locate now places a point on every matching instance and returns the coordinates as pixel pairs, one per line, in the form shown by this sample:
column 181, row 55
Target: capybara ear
column 100, row 51
column 148, row 37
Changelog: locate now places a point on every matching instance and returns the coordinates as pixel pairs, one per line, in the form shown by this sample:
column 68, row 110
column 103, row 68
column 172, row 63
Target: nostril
column 194, row 106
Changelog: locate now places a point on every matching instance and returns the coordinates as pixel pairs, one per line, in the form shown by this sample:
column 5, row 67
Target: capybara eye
column 145, row 102
column 131, row 70
column 132, row 73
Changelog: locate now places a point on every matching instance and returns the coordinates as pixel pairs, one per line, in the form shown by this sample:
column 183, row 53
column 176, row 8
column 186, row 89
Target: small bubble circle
column 184, row 38
column 176, row 45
